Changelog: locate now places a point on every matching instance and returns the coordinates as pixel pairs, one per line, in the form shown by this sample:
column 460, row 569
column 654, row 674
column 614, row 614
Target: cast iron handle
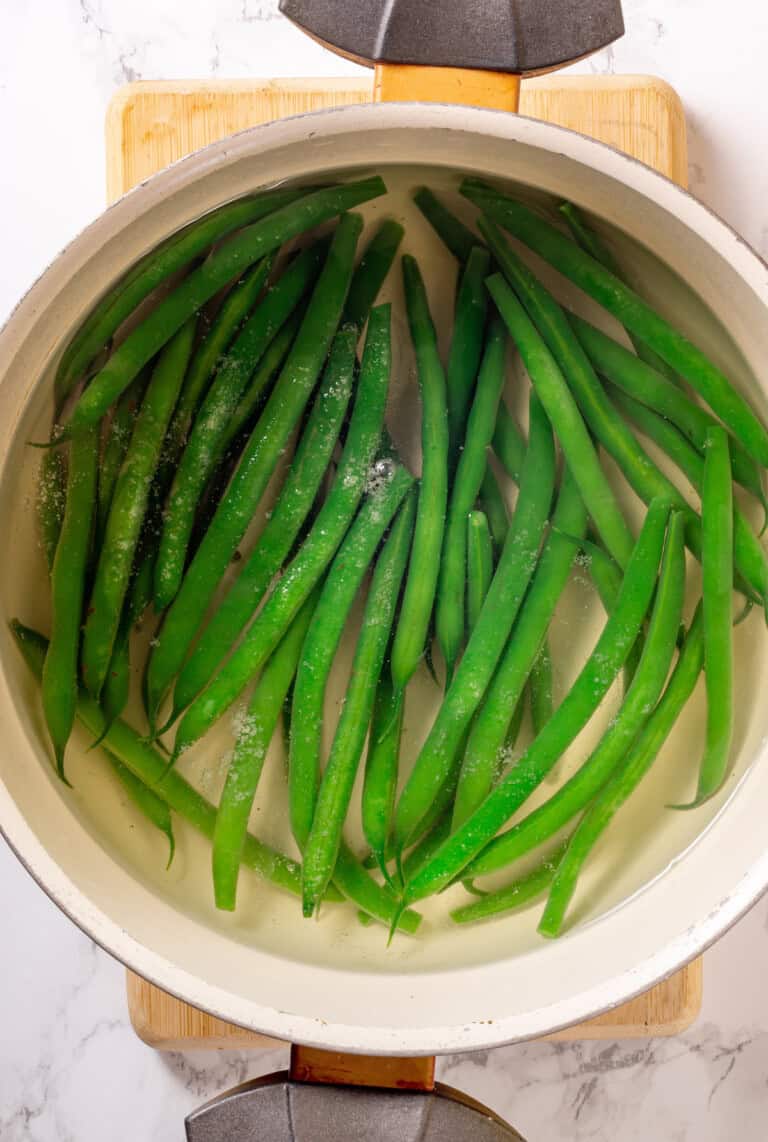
column 495, row 38
column 275, row 1109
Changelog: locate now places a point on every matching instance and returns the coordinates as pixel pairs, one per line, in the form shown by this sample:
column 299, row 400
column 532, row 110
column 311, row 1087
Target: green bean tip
column 699, row 800
column 59, row 759
column 171, row 845
column 45, row 445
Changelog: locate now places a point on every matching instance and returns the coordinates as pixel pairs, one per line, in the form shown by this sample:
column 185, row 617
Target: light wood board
column 150, row 125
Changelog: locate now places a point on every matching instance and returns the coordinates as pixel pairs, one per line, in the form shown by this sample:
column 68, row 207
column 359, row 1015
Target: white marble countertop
column 71, row 1069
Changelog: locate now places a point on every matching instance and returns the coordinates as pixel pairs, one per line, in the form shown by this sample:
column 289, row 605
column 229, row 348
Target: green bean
column 283, row 409
column 593, row 245
column 567, row 422
column 627, row 778
column 211, row 429
column 455, row 235
column 390, row 481
column 152, row 768
column 515, row 724
column 67, row 593
column 114, row 695
column 370, row 860
column 510, row 447
column 749, row 557
column 506, row 691
column 250, row 752
column 604, row 572
column 429, row 843
column 435, row 828
column 128, row 508
column 717, row 576
column 518, row 894
column 449, row 607
column 117, row 684
column 466, row 347
column 225, row 263
column 116, row 441
column 155, row 267
column 371, row 271
column 593, row 682
column 260, row 384
column 231, row 314
column 639, row 380
column 381, row 768
column 51, row 500
column 606, row 578
column 309, row 465
column 540, row 689
column 478, row 583
column 479, row 565
column 638, row 317
column 495, row 508
column 624, row 728
column 434, row 825
column 339, row 591
column 378, row 901
column 509, row 443
column 150, row 804
column 474, row 673
column 335, row 792
column 421, row 581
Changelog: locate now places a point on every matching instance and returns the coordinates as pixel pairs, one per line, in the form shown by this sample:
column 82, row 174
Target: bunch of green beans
column 209, row 433
column 624, row 782
column 641, row 697
column 128, row 507
column 577, row 707
column 148, row 498
column 592, row 244
column 174, row 254
column 490, row 728
column 641, row 381
column 634, row 313
column 335, row 792
column 505, row 595
column 224, row 264
column 257, row 462
column 309, row 465
column 344, row 579
column 390, row 481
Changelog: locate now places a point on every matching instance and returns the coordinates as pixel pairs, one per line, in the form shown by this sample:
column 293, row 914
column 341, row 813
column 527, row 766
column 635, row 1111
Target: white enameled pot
column 684, row 877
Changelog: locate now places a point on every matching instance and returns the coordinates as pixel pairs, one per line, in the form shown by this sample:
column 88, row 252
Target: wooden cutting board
column 150, row 125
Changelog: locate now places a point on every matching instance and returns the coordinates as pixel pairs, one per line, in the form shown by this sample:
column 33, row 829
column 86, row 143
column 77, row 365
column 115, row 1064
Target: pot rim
column 19, row 833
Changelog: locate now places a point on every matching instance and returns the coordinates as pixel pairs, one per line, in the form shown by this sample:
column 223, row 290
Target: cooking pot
column 682, row 878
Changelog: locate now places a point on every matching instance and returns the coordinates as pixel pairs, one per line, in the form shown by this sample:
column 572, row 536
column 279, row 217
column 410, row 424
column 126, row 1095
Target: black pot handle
column 275, row 1109
column 518, row 36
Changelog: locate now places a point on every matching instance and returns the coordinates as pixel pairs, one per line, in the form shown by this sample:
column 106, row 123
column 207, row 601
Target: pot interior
column 112, row 855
